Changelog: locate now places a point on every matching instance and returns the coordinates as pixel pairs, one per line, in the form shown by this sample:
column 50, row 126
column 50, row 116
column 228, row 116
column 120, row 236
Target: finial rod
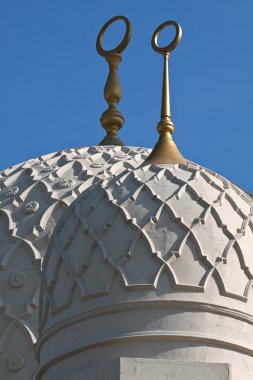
column 165, row 108
column 165, row 150
column 112, row 120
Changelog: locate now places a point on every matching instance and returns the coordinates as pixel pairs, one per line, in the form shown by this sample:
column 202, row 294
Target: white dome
column 33, row 196
column 160, row 254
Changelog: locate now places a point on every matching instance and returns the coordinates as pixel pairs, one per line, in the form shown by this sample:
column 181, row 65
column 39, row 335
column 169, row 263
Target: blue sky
column 51, row 79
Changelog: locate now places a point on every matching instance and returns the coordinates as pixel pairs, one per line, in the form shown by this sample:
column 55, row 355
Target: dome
column 156, row 263
column 33, row 197
column 143, row 259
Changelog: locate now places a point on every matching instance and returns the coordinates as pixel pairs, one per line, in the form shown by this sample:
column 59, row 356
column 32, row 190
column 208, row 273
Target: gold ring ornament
column 168, row 48
column 122, row 45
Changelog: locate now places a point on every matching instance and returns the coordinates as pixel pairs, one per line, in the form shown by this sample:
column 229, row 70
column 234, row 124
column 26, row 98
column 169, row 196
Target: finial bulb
column 112, row 119
column 112, row 90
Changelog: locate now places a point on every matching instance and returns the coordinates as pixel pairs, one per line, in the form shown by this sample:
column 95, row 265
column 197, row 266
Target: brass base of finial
column 165, row 151
column 112, row 120
column 111, row 139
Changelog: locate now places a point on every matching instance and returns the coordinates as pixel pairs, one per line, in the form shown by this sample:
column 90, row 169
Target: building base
column 154, row 369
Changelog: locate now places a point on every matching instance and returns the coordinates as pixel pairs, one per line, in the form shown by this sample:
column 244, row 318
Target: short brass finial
column 112, row 120
column 165, row 150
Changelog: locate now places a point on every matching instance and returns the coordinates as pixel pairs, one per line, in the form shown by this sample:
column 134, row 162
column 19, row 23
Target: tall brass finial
column 112, row 120
column 165, row 150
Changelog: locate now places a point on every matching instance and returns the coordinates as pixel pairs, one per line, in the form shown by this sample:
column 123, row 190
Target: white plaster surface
column 154, row 263
column 33, row 197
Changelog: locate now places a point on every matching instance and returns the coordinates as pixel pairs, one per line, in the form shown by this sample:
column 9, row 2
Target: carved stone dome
column 33, row 197
column 155, row 263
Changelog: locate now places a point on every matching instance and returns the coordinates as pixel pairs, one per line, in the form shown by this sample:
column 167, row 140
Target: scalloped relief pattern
column 184, row 222
column 33, row 197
